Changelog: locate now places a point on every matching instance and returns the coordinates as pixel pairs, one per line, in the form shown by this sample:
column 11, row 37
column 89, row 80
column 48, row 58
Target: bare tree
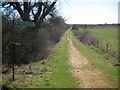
column 30, row 10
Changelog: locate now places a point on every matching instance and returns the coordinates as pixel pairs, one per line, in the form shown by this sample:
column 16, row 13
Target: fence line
column 105, row 47
column 96, row 44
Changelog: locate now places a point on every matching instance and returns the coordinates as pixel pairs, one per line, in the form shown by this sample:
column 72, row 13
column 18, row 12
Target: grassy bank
column 98, row 60
column 55, row 71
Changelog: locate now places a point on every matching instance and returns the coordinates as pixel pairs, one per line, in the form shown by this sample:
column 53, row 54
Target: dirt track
column 82, row 70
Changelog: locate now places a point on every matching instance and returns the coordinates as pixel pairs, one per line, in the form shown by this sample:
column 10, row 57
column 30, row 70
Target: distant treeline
column 76, row 26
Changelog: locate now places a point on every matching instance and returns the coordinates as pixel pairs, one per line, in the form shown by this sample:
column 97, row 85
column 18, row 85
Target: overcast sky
column 90, row 11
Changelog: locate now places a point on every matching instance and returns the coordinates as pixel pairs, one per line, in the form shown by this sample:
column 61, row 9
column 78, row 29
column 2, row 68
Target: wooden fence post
column 13, row 61
column 98, row 45
column 106, row 48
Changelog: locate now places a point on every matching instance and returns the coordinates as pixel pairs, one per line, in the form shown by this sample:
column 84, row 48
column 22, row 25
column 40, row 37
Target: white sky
column 90, row 11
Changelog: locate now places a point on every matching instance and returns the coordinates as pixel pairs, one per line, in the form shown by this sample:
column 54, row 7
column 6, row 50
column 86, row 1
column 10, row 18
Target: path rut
column 82, row 70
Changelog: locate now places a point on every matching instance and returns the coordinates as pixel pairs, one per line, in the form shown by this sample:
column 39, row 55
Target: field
column 106, row 35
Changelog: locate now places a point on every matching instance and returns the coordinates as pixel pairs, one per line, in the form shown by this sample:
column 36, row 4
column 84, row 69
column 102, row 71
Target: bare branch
column 39, row 11
column 27, row 9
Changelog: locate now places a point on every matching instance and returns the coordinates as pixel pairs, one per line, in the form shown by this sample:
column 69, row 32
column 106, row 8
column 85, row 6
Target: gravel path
column 82, row 70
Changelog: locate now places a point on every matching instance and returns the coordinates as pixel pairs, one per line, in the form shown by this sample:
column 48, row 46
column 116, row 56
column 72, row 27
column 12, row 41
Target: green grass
column 98, row 60
column 60, row 76
column 57, row 76
column 105, row 35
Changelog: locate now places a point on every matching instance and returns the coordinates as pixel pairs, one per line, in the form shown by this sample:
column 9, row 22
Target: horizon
column 98, row 24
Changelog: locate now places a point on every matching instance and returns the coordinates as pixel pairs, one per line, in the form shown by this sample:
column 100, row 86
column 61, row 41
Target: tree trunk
column 26, row 12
